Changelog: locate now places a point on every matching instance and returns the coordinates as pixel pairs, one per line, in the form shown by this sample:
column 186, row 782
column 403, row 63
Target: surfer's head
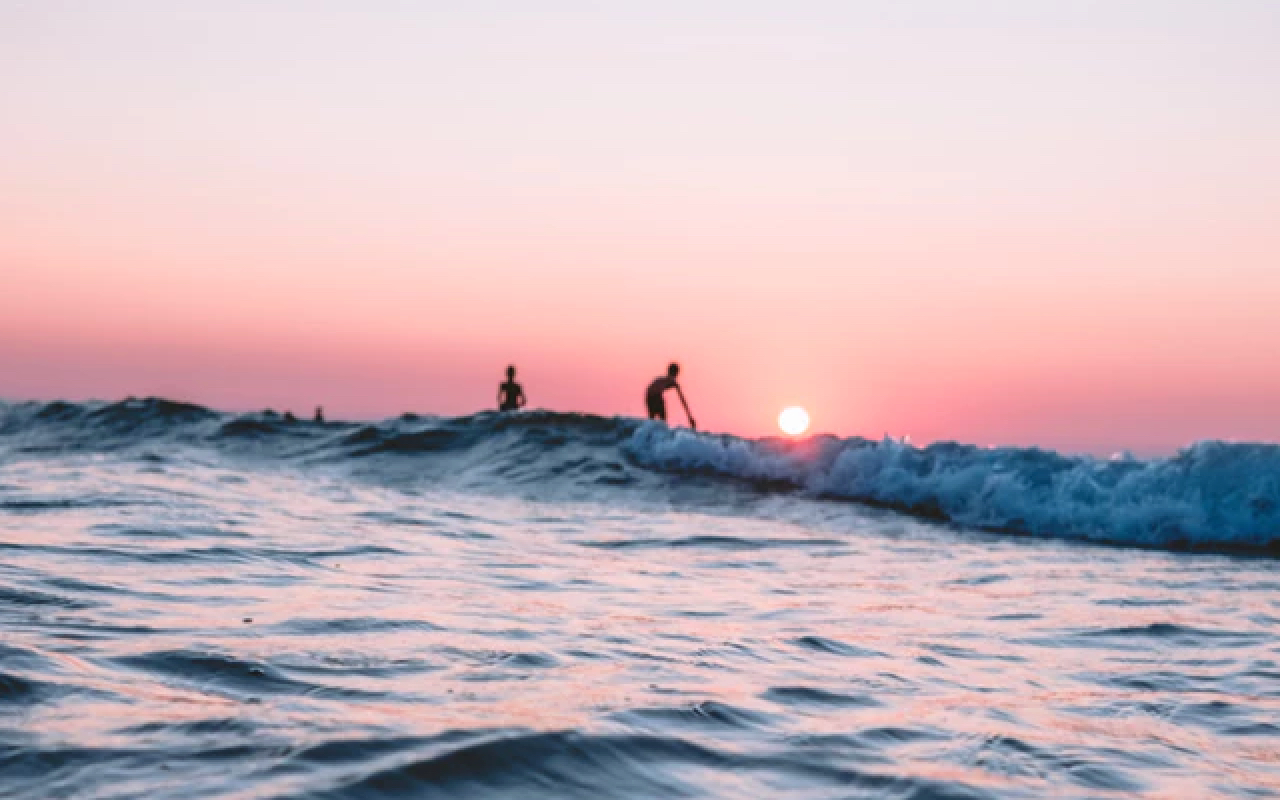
column 673, row 369
column 511, row 372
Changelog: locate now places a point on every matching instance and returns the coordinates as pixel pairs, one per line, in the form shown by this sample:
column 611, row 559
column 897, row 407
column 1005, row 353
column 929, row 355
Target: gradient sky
column 1019, row 222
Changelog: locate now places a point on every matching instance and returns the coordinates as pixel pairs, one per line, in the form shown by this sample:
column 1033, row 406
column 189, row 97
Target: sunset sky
column 1052, row 223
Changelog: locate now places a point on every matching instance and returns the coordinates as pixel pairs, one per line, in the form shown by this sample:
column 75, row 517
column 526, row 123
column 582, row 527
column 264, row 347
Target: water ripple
column 222, row 629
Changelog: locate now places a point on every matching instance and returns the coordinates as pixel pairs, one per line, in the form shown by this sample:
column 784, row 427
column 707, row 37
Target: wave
column 1209, row 496
column 1216, row 495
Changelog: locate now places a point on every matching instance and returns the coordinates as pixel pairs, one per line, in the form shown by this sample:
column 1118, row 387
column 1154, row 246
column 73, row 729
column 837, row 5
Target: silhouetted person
column 319, row 414
column 654, row 401
column 510, row 394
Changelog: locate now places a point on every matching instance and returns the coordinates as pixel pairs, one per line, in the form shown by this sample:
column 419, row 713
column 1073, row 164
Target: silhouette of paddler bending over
column 654, row 401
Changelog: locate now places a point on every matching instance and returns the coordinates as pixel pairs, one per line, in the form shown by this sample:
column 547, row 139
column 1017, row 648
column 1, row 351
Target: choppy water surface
column 178, row 620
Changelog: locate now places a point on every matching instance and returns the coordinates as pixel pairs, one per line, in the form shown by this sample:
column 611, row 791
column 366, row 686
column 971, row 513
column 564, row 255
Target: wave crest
column 1212, row 495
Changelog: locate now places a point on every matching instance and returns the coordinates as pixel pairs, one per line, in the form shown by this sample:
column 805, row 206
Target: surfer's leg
column 657, row 409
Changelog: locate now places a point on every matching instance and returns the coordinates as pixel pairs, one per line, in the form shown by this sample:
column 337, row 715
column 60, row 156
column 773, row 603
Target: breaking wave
column 1209, row 496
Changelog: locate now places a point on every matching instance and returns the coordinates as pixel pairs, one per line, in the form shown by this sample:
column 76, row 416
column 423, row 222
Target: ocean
column 198, row 604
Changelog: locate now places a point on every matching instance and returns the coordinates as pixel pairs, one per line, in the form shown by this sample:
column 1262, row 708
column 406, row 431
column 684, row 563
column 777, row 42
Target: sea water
column 197, row 604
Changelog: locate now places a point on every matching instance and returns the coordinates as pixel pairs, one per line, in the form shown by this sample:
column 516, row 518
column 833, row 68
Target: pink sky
column 1007, row 225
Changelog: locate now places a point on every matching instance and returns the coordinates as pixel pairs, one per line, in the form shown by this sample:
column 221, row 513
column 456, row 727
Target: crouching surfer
column 653, row 399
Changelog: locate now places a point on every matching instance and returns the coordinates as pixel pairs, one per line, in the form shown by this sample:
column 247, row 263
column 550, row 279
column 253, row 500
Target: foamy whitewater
column 202, row 604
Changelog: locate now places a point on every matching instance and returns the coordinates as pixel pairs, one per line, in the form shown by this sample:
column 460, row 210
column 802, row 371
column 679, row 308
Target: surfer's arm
column 520, row 398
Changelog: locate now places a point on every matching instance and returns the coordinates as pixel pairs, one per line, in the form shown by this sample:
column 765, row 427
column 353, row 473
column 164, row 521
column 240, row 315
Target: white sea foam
column 1210, row 494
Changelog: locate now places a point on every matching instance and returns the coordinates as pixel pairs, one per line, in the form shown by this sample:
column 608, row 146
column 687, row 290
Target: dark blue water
column 195, row 604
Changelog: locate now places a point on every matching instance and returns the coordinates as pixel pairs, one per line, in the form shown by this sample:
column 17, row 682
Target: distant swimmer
column 510, row 394
column 657, row 405
column 319, row 414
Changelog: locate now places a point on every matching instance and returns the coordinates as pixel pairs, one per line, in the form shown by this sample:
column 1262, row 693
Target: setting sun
column 793, row 421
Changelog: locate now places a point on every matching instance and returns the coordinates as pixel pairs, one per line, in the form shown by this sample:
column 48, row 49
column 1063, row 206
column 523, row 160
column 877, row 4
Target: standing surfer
column 654, row 401
column 510, row 394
